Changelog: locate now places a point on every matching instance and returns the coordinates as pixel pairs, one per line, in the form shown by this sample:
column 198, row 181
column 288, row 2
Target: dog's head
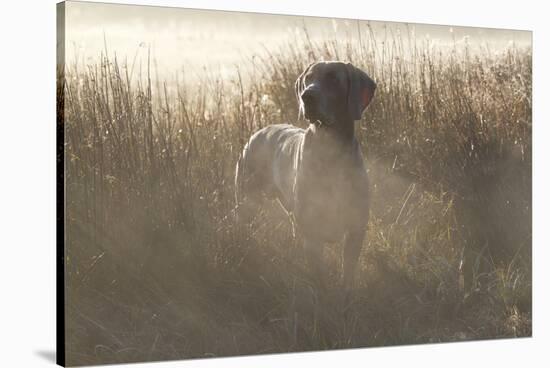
column 331, row 91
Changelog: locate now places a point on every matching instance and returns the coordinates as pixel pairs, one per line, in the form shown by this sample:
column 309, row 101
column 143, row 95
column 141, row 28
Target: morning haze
column 187, row 39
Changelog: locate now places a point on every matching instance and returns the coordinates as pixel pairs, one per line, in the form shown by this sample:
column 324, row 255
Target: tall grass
column 157, row 268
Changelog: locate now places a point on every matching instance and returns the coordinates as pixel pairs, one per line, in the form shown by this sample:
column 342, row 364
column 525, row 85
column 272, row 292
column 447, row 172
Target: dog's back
column 268, row 164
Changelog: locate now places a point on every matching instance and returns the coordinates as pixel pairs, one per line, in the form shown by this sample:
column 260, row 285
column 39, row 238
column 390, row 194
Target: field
column 157, row 267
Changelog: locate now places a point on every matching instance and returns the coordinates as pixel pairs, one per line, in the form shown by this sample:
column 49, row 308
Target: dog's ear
column 360, row 91
column 299, row 87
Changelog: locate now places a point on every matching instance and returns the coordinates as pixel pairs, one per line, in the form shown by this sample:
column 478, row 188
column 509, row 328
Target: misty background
column 187, row 41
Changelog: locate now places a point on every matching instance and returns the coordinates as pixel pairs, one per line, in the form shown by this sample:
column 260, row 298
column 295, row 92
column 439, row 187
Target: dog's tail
column 240, row 180
column 245, row 193
column 239, row 177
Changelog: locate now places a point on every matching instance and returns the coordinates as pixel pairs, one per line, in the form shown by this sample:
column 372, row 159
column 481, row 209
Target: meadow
column 157, row 267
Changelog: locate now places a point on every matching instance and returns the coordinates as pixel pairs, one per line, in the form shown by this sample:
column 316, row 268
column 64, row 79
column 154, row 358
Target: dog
column 318, row 173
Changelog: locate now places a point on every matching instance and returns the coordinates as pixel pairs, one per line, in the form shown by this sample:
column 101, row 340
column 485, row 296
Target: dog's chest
column 330, row 198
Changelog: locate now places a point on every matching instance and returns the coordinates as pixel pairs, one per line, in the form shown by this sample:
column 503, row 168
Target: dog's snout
column 310, row 95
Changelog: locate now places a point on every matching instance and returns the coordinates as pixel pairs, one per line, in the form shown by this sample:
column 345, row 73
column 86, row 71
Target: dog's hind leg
column 248, row 194
column 248, row 208
column 314, row 256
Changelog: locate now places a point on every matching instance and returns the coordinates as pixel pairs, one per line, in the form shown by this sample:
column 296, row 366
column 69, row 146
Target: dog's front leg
column 314, row 254
column 352, row 249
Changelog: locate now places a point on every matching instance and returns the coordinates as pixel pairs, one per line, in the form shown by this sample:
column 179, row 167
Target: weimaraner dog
column 317, row 173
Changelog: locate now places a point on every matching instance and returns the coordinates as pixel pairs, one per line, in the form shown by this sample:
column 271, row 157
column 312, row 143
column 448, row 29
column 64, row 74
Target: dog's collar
column 319, row 123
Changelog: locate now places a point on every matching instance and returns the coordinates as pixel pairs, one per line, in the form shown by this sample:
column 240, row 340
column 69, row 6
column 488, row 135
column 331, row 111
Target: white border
column 27, row 183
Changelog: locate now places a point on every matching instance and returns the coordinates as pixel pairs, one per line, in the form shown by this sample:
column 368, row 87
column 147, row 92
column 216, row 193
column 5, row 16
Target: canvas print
column 236, row 183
